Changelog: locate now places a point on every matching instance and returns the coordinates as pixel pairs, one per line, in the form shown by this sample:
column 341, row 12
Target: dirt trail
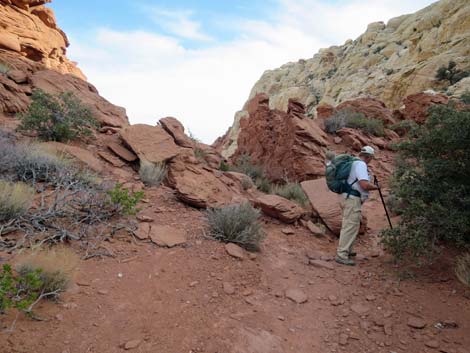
column 199, row 299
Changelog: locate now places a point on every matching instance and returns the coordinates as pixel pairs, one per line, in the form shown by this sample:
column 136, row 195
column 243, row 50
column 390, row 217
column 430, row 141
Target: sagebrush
column 237, row 224
column 61, row 117
column 152, row 174
column 348, row 118
column 15, row 200
column 292, row 191
column 433, row 185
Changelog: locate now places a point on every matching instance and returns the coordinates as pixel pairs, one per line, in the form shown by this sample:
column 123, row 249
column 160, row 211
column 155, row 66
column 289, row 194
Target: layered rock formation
column 388, row 62
column 29, row 28
column 286, row 145
column 32, row 56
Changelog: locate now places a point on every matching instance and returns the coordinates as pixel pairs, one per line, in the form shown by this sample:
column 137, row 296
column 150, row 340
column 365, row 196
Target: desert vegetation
column 451, row 73
column 60, row 117
column 152, row 174
column 237, row 224
column 354, row 120
column 69, row 202
column 430, row 180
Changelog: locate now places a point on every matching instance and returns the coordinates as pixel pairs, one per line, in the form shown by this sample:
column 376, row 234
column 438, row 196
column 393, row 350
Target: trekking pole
column 376, row 182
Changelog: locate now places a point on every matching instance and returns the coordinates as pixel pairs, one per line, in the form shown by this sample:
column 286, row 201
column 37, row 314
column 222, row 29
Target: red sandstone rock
column 176, row 129
column 325, row 110
column 122, row 152
column 372, row 108
column 326, row 203
column 82, row 155
column 150, row 143
column 279, row 207
column 284, row 145
column 417, row 105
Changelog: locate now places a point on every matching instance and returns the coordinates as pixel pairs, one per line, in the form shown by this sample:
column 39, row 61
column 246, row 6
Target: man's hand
column 365, row 185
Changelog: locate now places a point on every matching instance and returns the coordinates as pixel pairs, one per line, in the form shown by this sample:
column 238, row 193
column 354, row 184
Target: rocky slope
column 389, row 62
column 33, row 55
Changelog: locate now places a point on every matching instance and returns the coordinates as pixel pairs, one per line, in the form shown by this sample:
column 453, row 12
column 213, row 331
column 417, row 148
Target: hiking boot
column 342, row 261
column 352, row 254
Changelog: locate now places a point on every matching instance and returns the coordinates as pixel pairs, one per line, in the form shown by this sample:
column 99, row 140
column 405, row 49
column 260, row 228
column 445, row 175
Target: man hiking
column 360, row 185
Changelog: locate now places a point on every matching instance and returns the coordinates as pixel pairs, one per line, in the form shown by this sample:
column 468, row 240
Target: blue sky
column 197, row 61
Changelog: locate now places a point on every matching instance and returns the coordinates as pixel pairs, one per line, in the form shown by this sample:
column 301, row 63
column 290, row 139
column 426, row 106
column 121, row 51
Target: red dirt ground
column 173, row 300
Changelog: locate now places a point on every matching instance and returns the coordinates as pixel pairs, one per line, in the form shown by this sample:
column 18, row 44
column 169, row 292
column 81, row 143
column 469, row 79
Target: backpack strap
column 352, row 191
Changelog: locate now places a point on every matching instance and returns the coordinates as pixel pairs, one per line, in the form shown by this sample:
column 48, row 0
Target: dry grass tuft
column 152, row 174
column 15, row 199
column 462, row 269
column 56, row 266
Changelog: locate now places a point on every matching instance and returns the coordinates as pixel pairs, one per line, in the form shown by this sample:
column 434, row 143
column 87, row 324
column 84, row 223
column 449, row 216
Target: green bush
column 152, row 174
column 404, row 127
column 354, row 120
column 293, row 192
column 224, row 167
column 125, row 200
column 15, row 200
column 451, row 73
column 245, row 166
column 465, row 97
column 432, row 181
column 370, row 126
column 60, row 117
column 236, row 224
column 264, row 185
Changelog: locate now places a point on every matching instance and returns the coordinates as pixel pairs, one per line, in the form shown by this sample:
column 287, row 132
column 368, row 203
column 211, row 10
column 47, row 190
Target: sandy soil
column 197, row 298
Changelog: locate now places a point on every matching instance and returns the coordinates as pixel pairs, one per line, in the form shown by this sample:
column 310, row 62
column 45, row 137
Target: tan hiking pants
column 350, row 226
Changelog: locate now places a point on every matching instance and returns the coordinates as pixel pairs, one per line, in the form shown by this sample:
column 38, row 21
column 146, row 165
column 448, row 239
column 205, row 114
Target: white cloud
column 179, row 23
column 153, row 75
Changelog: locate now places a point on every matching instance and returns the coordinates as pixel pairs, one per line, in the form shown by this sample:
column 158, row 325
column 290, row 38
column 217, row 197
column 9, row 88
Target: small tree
column 60, row 117
column 451, row 73
column 432, row 181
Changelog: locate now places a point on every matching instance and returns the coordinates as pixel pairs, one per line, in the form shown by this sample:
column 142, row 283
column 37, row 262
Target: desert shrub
column 200, row 154
column 432, row 181
column 60, row 117
column 152, row 174
column 15, row 200
column 245, row 166
column 462, row 269
column 247, row 183
column 404, row 127
column 236, row 224
column 370, row 126
column 293, row 192
column 125, row 200
column 337, row 121
column 224, row 167
column 465, row 97
column 354, row 120
column 451, row 73
column 263, row 184
column 394, row 204
column 4, row 68
column 38, row 275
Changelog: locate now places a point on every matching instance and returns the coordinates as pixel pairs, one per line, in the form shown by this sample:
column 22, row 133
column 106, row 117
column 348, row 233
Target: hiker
column 360, row 185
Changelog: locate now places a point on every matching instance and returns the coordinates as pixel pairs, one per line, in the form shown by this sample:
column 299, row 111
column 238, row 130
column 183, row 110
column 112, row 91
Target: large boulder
column 201, row 186
column 150, row 143
column 285, row 145
column 327, row 204
column 176, row 129
column 279, row 207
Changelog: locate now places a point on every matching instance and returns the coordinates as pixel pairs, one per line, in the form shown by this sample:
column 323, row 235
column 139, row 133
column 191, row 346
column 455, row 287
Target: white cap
column 367, row 150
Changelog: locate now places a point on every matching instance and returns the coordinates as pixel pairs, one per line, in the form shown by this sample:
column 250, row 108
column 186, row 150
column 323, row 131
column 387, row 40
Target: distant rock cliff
column 388, row 62
column 33, row 56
